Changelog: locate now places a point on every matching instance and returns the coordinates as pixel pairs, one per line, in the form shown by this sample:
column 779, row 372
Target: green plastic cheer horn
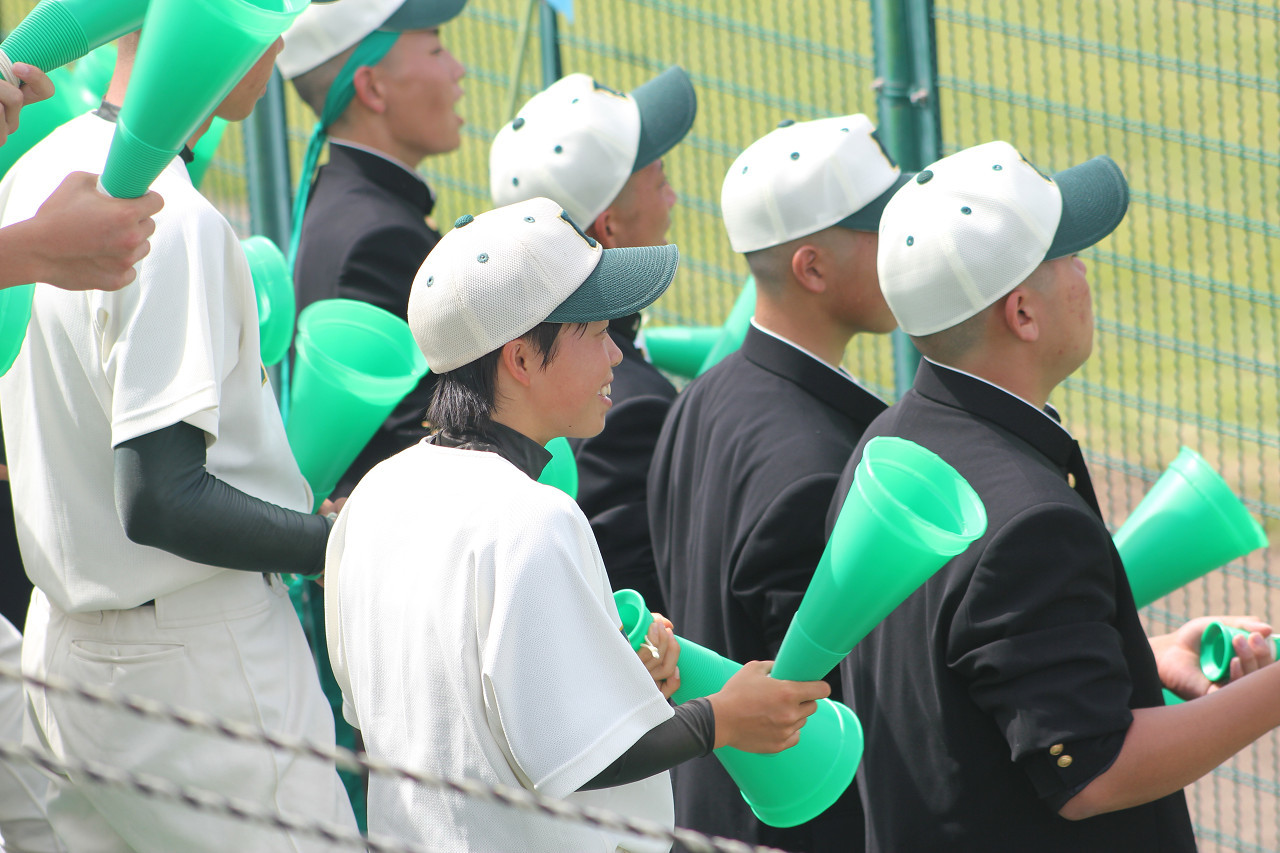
column 273, row 287
column 354, row 362
column 56, row 32
column 681, row 350
column 1216, row 649
column 734, row 330
column 562, row 470
column 1189, row 524
column 192, row 53
column 783, row 789
column 907, row 513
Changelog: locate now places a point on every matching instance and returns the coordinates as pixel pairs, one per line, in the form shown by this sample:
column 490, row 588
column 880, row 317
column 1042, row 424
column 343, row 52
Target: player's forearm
column 20, row 266
column 166, row 499
column 1168, row 748
column 689, row 733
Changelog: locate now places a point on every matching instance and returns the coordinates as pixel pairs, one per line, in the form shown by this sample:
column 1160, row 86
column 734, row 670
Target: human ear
column 517, row 361
column 368, row 89
column 1022, row 313
column 806, row 266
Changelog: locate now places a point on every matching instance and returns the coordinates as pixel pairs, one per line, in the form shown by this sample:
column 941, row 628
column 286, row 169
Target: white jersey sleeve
column 564, row 692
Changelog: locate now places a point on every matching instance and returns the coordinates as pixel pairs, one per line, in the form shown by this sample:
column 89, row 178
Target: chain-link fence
column 1183, row 94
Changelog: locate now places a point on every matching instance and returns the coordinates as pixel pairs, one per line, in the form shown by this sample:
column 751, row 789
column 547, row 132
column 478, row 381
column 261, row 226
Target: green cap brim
column 667, row 106
column 625, row 281
column 422, row 15
column 867, row 218
column 1095, row 196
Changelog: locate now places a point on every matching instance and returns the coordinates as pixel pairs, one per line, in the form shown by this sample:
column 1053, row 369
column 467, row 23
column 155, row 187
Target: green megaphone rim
column 1217, row 650
column 919, row 496
column 273, row 287
column 635, row 616
column 1199, row 474
column 364, row 319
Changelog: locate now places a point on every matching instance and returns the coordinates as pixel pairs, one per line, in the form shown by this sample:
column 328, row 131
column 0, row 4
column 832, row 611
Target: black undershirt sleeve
column 689, row 733
column 166, row 499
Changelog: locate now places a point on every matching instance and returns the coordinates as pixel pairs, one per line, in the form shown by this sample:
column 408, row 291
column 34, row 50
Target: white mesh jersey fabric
column 472, row 622
column 97, row 369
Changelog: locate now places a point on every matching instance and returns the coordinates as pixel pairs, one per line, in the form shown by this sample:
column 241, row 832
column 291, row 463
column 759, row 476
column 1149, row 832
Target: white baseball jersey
column 97, row 369
column 472, row 627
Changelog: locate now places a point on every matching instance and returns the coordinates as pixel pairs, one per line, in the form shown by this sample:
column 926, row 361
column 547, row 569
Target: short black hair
column 464, row 398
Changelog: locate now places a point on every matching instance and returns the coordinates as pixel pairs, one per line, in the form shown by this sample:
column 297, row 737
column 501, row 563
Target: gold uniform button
column 1064, row 762
column 1056, row 749
column 1071, row 480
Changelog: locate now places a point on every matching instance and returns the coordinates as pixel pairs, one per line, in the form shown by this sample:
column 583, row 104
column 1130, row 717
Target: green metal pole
column 550, row 29
column 270, row 186
column 907, row 112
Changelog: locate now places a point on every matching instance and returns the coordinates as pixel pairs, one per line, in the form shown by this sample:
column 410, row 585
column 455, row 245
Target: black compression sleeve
column 690, row 733
column 166, row 499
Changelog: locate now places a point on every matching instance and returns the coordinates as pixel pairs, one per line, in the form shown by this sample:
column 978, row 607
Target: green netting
column 1184, row 94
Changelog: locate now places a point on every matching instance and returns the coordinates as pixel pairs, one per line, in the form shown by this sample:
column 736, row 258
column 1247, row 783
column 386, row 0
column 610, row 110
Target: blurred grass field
column 1183, row 94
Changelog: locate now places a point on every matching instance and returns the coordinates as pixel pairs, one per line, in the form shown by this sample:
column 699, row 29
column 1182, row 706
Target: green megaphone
column 785, row 788
column 681, row 350
column 192, row 53
column 1216, row 649
column 354, row 362
column 1189, row 524
column 734, row 330
column 273, row 287
column 56, row 32
column 907, row 513
column 562, row 470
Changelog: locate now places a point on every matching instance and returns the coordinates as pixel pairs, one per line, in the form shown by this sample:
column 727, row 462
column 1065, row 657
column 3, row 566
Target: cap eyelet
column 911, row 241
column 744, row 170
column 574, row 101
column 528, row 219
column 844, row 130
column 966, row 210
column 924, row 177
column 464, row 219
column 515, row 182
column 431, row 280
column 483, row 257
column 559, row 149
column 795, row 155
column 518, row 123
column 786, row 122
column 997, row 167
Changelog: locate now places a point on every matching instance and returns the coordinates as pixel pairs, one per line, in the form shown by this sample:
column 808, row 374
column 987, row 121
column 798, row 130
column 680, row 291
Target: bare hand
column 37, row 87
column 1178, row 654
column 756, row 713
column 660, row 654
column 332, row 506
column 81, row 239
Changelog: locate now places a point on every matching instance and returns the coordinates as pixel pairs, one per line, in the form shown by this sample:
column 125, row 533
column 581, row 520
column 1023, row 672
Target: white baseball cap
column 972, row 227
column 324, row 30
column 804, row 177
column 578, row 141
column 497, row 275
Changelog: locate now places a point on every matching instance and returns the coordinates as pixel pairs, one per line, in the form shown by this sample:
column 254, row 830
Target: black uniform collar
column 628, row 326
column 838, row 391
column 515, row 447
column 1040, row 429
column 111, row 112
column 378, row 170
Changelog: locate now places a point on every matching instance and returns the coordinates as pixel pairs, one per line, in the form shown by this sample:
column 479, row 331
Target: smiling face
column 419, row 82
column 571, row 392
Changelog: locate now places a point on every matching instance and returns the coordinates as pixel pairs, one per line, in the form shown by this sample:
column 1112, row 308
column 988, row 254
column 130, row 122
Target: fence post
column 550, row 37
column 907, row 112
column 266, row 153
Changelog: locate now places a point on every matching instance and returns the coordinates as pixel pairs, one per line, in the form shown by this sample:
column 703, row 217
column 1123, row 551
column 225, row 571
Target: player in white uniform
column 146, row 455
column 78, row 239
column 470, row 620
